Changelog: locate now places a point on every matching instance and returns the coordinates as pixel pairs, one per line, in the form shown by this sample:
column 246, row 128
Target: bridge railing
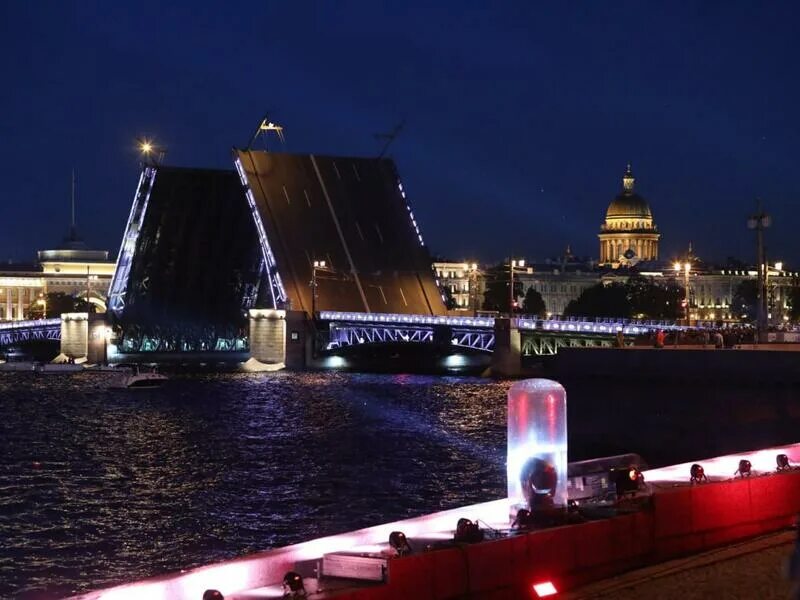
column 584, row 325
column 32, row 323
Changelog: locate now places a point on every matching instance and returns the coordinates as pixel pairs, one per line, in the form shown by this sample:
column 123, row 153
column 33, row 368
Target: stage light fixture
column 544, row 589
column 627, row 481
column 467, row 532
column 213, row 595
column 745, row 468
column 523, row 520
column 293, row 585
column 398, row 541
column 698, row 474
column 782, row 460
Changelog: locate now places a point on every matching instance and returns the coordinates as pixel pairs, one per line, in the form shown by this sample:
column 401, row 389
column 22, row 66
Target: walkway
column 751, row 570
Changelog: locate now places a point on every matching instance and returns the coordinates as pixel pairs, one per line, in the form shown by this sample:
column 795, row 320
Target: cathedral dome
column 628, row 204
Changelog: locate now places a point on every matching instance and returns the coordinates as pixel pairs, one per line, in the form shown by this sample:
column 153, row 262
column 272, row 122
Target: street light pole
column 512, row 264
column 317, row 264
column 686, row 268
column 760, row 221
column 473, row 284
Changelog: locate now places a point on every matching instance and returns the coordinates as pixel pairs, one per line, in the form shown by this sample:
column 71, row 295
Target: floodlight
column 293, row 584
column 782, row 460
column 467, row 532
column 698, row 474
column 544, row 589
column 398, row 541
column 745, row 468
column 627, row 481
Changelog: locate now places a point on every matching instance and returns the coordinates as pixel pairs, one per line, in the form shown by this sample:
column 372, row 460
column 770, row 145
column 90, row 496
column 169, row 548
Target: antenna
column 265, row 126
column 390, row 137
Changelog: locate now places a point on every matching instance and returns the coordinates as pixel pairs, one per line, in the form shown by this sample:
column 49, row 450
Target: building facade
column 463, row 282
column 74, row 271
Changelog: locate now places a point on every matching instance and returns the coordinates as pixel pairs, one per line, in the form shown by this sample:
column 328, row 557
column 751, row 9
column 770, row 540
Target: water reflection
column 99, row 486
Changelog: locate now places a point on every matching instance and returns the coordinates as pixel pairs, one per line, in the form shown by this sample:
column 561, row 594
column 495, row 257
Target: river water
column 100, row 486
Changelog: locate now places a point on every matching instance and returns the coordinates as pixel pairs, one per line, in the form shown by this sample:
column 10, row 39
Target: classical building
column 463, row 281
column 72, row 269
column 629, row 234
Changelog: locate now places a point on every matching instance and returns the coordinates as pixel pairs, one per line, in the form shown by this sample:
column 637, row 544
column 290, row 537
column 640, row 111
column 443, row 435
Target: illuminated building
column 464, row 281
column 629, row 234
column 72, row 269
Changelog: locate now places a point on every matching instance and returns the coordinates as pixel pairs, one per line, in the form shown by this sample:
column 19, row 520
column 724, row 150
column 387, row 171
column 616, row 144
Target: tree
column 533, row 304
column 495, row 297
column 794, row 303
column 57, row 304
column 601, row 300
column 449, row 301
column 652, row 299
column 745, row 300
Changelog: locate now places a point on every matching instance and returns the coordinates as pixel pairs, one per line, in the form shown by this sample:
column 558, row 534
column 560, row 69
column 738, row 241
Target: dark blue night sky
column 519, row 119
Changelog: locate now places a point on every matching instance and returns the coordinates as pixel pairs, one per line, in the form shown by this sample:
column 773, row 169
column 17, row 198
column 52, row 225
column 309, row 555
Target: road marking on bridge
column 339, row 231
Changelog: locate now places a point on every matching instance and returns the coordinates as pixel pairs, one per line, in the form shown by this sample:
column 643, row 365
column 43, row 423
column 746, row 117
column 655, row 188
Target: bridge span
column 538, row 336
column 19, row 332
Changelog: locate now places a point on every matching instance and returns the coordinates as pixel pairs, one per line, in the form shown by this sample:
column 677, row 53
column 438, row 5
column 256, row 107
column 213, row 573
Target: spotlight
column 293, row 585
column 627, row 481
column 467, row 532
column 523, row 520
column 745, row 467
column 538, row 481
column 782, row 461
column 544, row 589
column 698, row 474
column 398, row 541
column 213, row 595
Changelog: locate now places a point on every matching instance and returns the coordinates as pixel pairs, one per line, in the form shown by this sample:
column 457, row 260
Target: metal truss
column 26, row 331
column 167, row 343
column 477, row 340
column 353, row 335
column 549, row 345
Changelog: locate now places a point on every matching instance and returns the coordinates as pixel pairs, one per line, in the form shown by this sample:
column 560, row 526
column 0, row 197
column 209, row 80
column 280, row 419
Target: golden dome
column 629, row 204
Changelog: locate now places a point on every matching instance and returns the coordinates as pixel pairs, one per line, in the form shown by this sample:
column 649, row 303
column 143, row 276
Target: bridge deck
column 351, row 213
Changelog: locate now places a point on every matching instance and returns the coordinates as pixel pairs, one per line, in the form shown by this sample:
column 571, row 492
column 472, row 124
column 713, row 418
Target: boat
column 138, row 379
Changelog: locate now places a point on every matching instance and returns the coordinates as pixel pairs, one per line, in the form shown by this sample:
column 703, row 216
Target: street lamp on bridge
column 686, row 268
column 518, row 265
column 317, row 265
column 151, row 152
column 760, row 221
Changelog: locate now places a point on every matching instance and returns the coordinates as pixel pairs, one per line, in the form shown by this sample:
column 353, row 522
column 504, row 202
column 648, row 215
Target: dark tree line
column 639, row 297
column 497, row 298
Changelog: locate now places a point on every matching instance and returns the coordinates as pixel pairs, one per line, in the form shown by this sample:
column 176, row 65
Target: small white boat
column 147, row 380
column 58, row 369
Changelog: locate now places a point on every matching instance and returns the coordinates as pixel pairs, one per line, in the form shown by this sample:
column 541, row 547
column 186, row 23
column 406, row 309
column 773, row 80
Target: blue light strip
column 555, row 325
column 119, row 283
column 276, row 284
column 410, row 213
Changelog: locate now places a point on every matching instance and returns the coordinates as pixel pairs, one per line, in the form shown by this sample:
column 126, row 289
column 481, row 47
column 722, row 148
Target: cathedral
column 629, row 234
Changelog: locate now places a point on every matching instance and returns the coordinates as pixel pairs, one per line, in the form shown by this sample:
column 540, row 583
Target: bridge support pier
column 75, row 334
column 507, row 355
column 83, row 335
column 278, row 337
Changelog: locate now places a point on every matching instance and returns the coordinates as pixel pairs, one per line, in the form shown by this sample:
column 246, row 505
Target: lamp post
column 473, row 284
column 513, row 264
column 317, row 264
column 759, row 222
column 43, row 302
column 148, row 148
column 686, row 268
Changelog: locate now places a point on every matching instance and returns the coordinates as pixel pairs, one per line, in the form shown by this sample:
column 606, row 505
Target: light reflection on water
column 99, row 486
